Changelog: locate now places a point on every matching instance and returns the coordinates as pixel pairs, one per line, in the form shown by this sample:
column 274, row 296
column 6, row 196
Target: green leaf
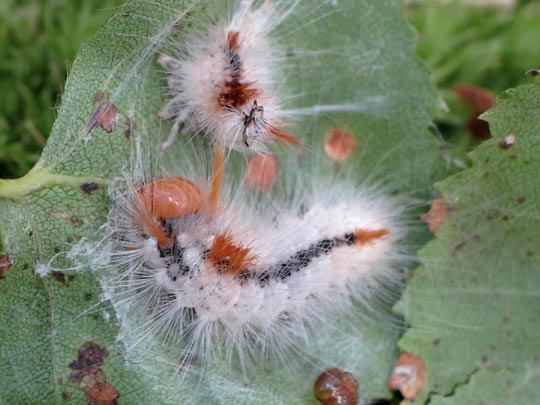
column 473, row 305
column 495, row 387
column 58, row 339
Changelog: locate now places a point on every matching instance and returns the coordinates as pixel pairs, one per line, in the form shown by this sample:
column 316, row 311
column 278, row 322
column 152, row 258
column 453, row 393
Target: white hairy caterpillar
column 250, row 277
column 224, row 84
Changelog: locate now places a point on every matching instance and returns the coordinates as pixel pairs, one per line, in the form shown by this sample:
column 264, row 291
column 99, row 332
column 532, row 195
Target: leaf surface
column 473, row 306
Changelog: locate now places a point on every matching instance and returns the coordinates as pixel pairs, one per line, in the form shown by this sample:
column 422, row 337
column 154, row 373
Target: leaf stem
column 39, row 178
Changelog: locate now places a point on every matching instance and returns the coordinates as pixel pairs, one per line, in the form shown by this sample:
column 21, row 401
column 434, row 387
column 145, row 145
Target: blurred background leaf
column 490, row 48
column 38, row 42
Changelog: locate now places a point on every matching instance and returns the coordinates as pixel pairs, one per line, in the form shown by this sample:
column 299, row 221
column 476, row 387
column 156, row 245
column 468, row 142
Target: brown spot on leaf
column 100, row 97
column 76, row 221
column 408, row 376
column 436, row 215
column 534, row 72
column 89, row 188
column 261, row 172
column 104, row 115
column 87, row 372
column 507, row 142
column 101, row 393
column 521, row 200
column 335, row 386
column 59, row 276
column 478, row 100
column 339, row 144
column 5, row 265
column 130, row 128
column 436, row 341
column 89, row 360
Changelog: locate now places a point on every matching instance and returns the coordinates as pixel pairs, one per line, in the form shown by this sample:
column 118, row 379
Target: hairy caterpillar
column 224, row 82
column 250, row 276
column 273, row 268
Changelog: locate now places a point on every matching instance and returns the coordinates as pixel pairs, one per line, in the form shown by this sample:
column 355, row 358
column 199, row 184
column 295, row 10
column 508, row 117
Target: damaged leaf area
column 61, row 340
column 5, row 265
column 88, row 373
column 473, row 306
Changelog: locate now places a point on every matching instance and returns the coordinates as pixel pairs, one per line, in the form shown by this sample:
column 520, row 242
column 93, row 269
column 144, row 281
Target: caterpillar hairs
column 244, row 267
column 224, row 82
column 249, row 277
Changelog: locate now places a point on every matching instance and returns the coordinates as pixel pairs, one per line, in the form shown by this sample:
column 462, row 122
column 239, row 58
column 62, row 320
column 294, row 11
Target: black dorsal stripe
column 281, row 271
column 304, row 257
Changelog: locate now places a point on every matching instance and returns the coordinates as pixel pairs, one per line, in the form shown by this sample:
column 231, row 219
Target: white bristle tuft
column 224, row 83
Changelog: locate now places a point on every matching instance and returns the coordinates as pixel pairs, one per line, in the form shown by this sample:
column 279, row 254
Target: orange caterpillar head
column 166, row 198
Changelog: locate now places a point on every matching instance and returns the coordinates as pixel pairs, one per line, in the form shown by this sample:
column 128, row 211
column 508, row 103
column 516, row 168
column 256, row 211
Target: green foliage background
column 489, row 47
column 38, row 42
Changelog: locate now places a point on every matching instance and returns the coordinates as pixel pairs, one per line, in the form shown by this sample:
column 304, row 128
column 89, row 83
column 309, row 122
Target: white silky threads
column 209, row 268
